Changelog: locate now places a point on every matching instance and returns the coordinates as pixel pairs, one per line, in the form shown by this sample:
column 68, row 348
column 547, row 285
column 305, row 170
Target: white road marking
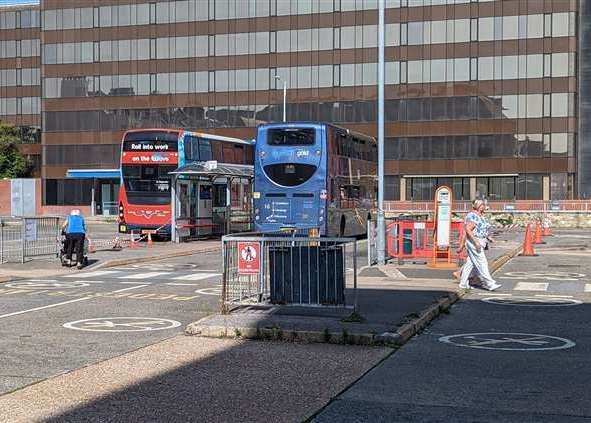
column 531, row 286
column 182, row 284
column 16, row 313
column 92, row 274
column 40, row 280
column 135, row 283
column 553, row 296
column 588, row 287
column 196, row 276
column 144, row 275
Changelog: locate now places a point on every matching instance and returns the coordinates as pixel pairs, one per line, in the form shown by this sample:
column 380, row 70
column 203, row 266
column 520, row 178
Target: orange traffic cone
column 528, row 248
column 132, row 241
column 538, row 234
column 149, row 240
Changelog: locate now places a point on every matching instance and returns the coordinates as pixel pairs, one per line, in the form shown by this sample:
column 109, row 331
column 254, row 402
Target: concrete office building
column 480, row 95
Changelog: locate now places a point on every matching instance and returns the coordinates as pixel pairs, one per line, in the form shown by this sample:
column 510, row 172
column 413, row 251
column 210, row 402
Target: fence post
column 355, row 276
column 23, row 230
column 1, row 241
column 369, row 241
column 57, row 237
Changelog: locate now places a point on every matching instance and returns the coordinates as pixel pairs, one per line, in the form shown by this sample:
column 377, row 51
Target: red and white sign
column 249, row 261
column 149, row 158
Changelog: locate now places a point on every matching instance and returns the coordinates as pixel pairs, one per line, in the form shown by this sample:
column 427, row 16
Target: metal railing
column 288, row 270
column 517, row 206
column 23, row 238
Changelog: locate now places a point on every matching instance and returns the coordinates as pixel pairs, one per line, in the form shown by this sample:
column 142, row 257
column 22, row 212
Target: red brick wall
column 5, row 197
column 63, row 210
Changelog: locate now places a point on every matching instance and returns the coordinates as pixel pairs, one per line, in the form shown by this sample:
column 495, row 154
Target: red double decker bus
column 147, row 158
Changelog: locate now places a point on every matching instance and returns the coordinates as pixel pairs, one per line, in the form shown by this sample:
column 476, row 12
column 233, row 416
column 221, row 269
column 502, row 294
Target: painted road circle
column 210, row 291
column 46, row 285
column 122, row 324
column 549, row 276
column 532, row 301
column 507, row 341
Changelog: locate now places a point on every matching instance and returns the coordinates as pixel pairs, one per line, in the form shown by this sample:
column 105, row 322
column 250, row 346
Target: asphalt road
column 161, row 298
column 521, row 354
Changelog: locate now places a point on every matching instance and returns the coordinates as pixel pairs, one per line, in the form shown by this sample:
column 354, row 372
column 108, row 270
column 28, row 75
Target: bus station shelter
column 210, row 199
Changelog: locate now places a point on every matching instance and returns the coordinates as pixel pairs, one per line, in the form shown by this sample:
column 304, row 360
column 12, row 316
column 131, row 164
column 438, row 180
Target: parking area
column 53, row 325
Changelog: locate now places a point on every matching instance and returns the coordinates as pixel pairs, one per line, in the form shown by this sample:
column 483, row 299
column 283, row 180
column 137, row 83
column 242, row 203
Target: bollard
column 528, row 248
column 149, row 239
column 91, row 248
column 132, row 240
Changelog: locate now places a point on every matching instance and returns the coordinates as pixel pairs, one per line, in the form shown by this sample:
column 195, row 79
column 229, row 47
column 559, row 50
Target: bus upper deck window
column 291, row 136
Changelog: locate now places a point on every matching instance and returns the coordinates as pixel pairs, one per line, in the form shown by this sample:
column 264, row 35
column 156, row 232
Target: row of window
column 165, row 12
column 480, row 146
column 82, row 154
column 232, row 116
column 316, row 39
column 19, row 19
column 323, row 76
column 521, row 187
column 20, row 77
column 19, row 48
column 20, row 106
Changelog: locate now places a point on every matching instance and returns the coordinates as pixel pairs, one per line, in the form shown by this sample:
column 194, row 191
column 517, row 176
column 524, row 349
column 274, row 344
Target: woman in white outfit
column 475, row 240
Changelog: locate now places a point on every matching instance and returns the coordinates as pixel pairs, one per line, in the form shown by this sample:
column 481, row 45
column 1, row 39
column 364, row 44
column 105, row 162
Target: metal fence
column 289, row 270
column 517, row 206
column 23, row 238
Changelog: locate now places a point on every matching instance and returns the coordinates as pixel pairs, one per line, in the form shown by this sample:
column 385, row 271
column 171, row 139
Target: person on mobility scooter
column 75, row 230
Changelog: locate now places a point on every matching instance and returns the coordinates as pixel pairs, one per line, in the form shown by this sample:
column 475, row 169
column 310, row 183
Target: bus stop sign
column 249, row 254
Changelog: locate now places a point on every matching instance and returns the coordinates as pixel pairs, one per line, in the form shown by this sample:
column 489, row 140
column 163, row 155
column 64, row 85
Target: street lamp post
column 284, row 96
column 381, row 223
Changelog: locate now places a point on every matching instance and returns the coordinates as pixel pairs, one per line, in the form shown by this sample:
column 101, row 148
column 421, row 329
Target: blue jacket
column 76, row 225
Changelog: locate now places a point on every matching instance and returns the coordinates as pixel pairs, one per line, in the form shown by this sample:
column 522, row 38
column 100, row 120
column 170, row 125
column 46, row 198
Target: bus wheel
column 342, row 227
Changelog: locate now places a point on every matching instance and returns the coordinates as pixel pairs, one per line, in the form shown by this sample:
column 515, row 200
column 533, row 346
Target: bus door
column 204, row 202
column 220, row 209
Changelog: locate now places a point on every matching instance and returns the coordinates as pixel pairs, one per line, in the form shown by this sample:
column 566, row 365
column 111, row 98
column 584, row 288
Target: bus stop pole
column 381, row 241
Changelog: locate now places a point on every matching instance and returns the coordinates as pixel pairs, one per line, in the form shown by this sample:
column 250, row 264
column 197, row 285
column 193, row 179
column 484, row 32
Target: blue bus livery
column 314, row 176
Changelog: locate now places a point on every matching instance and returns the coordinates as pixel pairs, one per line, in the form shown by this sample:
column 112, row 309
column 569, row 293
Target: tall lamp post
column 277, row 77
column 381, row 223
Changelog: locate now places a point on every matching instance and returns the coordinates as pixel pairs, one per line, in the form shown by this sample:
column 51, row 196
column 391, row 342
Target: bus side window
column 205, row 153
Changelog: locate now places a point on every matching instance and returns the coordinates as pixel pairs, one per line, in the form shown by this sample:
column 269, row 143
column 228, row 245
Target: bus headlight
column 256, row 217
column 321, row 218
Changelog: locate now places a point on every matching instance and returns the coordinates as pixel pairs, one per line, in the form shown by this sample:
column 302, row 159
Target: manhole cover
column 532, row 301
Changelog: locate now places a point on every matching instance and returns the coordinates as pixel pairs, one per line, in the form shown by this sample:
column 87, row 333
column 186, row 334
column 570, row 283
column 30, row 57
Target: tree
column 12, row 163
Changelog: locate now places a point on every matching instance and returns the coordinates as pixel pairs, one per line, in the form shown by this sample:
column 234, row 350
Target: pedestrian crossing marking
column 93, row 274
column 147, row 275
column 588, row 287
column 196, row 276
column 531, row 286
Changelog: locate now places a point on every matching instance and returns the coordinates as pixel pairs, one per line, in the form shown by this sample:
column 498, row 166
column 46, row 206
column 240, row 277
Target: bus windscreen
column 291, row 136
column 147, row 184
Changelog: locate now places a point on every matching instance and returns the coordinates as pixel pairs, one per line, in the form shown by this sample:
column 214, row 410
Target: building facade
column 480, row 95
column 20, row 77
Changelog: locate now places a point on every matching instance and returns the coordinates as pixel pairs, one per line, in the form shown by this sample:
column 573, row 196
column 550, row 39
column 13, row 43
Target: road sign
column 508, row 341
column 443, row 222
column 122, row 324
column 532, row 301
column 249, row 258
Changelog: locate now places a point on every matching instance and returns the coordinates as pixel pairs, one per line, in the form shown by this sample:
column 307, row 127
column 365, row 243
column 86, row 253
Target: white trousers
column 477, row 262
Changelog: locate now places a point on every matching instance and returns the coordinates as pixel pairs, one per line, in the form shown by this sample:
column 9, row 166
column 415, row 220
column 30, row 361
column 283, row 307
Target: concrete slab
column 195, row 379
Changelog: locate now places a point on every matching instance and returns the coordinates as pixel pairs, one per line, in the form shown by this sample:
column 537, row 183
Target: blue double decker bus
column 314, row 176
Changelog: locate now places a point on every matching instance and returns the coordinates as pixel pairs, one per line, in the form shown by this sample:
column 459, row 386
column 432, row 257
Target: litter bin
column 407, row 242
column 307, row 275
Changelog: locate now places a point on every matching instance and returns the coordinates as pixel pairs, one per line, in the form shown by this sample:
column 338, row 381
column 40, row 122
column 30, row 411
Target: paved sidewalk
column 188, row 379
column 50, row 266
column 394, row 302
